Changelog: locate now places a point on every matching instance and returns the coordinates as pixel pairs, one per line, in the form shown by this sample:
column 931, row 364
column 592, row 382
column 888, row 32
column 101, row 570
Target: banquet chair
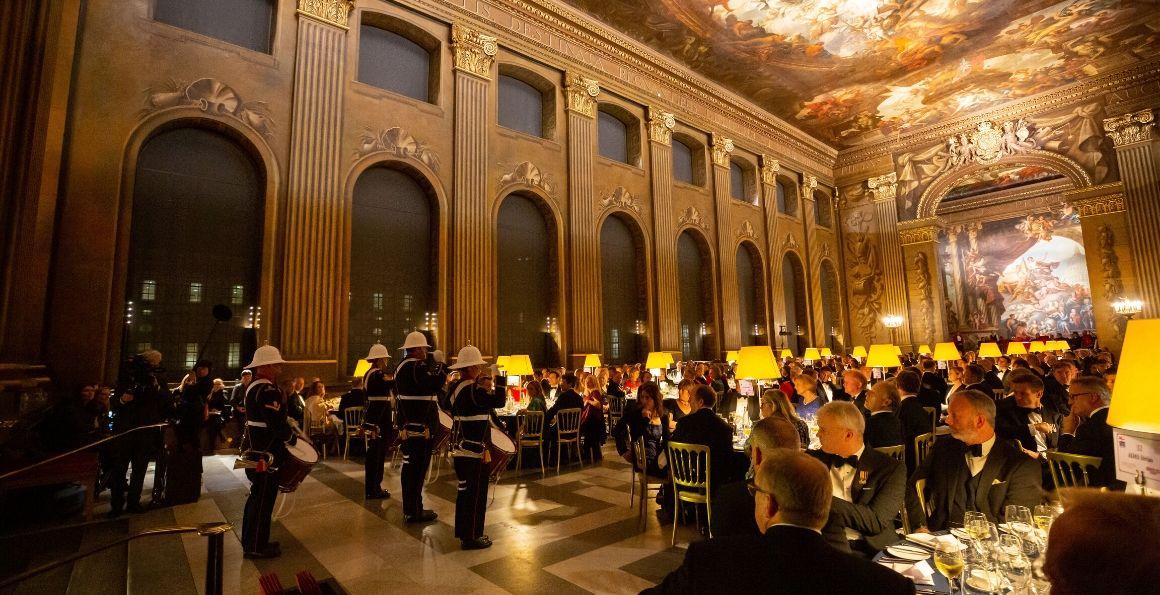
column 920, row 489
column 922, row 444
column 530, row 435
column 689, row 466
column 898, row 453
column 568, row 432
column 352, row 418
column 641, row 478
column 1070, row 470
column 933, row 413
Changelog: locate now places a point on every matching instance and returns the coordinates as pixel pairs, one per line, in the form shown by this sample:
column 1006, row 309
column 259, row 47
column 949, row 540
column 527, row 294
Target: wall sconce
column 1123, row 307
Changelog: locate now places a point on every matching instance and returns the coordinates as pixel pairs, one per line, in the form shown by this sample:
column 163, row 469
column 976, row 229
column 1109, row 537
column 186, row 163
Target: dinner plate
column 914, row 554
column 960, row 533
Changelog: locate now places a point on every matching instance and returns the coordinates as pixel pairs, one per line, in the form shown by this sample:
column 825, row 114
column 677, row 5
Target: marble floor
column 571, row 532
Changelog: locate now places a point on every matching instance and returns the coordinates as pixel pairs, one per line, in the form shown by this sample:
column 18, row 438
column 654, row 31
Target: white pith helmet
column 265, row 356
column 415, row 339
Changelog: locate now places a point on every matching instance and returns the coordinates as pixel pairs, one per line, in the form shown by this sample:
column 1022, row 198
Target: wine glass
column 1043, row 515
column 971, row 519
column 983, row 576
column 1017, row 569
column 948, row 559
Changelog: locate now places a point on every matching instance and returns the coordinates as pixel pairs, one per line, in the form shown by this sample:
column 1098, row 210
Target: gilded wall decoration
column 790, row 243
column 864, row 272
column 1100, row 205
column 396, row 141
column 212, row 97
column 722, row 148
column 691, row 216
column 581, row 94
column 618, row 198
column 809, row 184
column 474, row 51
column 883, row 187
column 924, row 287
column 919, row 231
column 770, row 167
column 660, row 126
column 528, row 174
column 333, row 12
column 746, row 231
column 1130, row 128
column 1113, row 283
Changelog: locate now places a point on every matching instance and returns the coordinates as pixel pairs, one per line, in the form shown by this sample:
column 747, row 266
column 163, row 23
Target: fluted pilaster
column 668, row 314
column 314, row 210
column 583, row 236
column 884, row 190
column 730, row 323
column 1133, row 135
column 770, row 167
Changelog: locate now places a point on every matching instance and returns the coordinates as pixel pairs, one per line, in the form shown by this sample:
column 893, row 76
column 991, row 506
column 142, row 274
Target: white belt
column 377, row 399
column 256, row 424
column 419, row 398
column 483, row 417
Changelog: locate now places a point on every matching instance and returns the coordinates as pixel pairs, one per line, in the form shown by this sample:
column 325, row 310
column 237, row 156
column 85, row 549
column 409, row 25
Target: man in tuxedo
column 991, row 375
column 854, row 389
column 974, row 379
column 792, row 495
column 566, row 398
column 883, row 427
column 1055, row 386
column 1002, row 365
column 912, row 414
column 867, row 486
column 826, row 387
column 933, row 387
column 702, row 426
column 1085, row 431
column 1024, row 418
column 733, row 504
column 971, row 469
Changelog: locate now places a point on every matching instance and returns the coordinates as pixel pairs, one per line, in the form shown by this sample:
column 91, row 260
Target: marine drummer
column 377, row 384
column 267, row 431
column 473, row 400
column 417, row 386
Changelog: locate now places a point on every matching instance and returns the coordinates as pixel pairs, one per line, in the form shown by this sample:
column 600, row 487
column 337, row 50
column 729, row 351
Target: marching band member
column 378, row 413
column 417, row 385
column 267, row 432
column 472, row 402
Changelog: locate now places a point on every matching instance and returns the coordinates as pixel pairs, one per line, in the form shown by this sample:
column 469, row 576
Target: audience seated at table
column 682, row 405
column 355, row 397
column 646, row 419
column 1055, row 393
column 1099, row 545
column 854, row 388
column 792, row 495
column 1024, row 418
column 932, row 389
column 704, row 427
column 1085, row 431
column 534, row 394
column 774, row 403
column 973, row 379
column 807, row 401
column 733, row 504
column 566, row 398
column 883, row 427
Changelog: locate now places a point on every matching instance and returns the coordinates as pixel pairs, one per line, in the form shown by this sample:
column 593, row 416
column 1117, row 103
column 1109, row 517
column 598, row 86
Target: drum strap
column 418, row 398
column 483, row 417
column 377, row 399
column 256, row 424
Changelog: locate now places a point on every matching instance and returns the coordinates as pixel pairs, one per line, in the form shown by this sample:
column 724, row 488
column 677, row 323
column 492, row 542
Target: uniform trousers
column 130, row 450
column 259, row 510
column 379, row 414
column 416, row 460
column 471, row 499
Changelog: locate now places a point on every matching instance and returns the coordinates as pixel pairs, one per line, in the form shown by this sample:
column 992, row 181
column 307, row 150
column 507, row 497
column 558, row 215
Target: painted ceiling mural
column 855, row 71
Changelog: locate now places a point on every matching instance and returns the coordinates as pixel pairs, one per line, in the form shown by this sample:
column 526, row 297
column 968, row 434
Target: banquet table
column 940, row 582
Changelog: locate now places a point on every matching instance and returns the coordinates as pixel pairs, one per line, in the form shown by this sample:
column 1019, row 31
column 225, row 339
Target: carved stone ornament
column 474, row 51
column 884, row 187
column 825, row 251
column 619, row 198
column 691, row 216
column 790, row 243
column 770, row 167
column 746, row 231
column 1130, row 128
column 331, row 12
column 1113, row 282
column 581, row 94
column 212, row 97
column 396, row 141
column 809, row 184
column 722, row 148
column 919, row 231
column 527, row 174
column 1101, row 205
column 989, row 143
column 924, row 287
column 660, row 126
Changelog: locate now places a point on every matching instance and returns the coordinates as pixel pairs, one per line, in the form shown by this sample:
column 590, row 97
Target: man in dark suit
column 867, row 486
column 702, row 426
column 912, row 414
column 974, row 379
column 991, row 375
column 854, row 388
column 971, row 469
column 1024, row 418
column 883, row 427
column 566, row 398
column 792, row 495
column 933, row 387
column 733, row 504
column 1085, row 431
column 1055, row 393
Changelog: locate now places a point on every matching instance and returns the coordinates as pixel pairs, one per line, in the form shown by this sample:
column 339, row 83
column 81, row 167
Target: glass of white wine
column 948, row 559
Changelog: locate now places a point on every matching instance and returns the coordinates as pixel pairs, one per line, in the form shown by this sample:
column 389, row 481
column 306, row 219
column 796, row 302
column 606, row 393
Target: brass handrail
column 213, row 564
column 80, row 449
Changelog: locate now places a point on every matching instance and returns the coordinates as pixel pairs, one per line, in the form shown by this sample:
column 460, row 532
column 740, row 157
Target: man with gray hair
column 970, row 470
column 733, row 504
column 866, row 486
column 1086, row 431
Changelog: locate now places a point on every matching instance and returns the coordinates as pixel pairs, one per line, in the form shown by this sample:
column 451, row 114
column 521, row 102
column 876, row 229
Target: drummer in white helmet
column 378, row 386
column 267, row 431
column 473, row 400
column 417, row 386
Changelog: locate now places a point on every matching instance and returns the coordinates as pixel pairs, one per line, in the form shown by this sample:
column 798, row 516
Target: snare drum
column 441, row 433
column 502, row 449
column 300, row 458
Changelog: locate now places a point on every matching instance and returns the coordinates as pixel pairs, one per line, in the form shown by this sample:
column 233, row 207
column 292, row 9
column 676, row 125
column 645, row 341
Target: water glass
column 1017, row 569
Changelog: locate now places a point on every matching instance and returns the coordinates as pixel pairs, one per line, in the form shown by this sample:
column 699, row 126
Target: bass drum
column 502, row 448
column 441, row 434
column 300, row 459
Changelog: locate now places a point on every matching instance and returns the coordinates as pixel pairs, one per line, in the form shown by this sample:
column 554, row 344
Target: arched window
column 696, row 296
column 682, row 162
column 393, row 279
column 247, row 23
column 389, row 60
column 750, row 292
column 823, row 213
column 786, row 199
column 618, row 134
column 526, row 255
column 196, row 241
column 524, row 106
column 831, row 304
column 737, row 181
column 623, row 297
column 796, row 307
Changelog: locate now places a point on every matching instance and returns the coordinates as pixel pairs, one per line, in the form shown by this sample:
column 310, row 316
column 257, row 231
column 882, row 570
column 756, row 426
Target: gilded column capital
column 770, row 167
column 722, row 148
column 660, row 126
column 1130, row 128
column 474, row 51
column 331, row 12
column 919, row 231
column 582, row 93
column 1100, row 205
column 809, row 184
column 884, row 187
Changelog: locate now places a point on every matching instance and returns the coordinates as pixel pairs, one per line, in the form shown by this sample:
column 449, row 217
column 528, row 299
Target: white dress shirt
column 975, row 464
column 1040, row 438
column 842, row 482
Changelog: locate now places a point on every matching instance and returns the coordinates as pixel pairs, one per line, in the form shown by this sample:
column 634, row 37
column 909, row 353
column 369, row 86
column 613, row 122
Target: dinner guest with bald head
column 733, row 504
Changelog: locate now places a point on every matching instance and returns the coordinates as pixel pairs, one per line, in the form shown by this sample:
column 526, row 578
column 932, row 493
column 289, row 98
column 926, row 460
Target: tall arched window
column 618, row 134
column 393, row 277
column 521, row 106
column 623, row 300
column 823, row 213
column 682, row 162
column 526, row 253
column 786, row 199
column 796, row 306
column 248, row 23
column 737, row 181
column 196, row 241
column 696, row 295
column 750, row 292
column 831, row 304
column 398, row 63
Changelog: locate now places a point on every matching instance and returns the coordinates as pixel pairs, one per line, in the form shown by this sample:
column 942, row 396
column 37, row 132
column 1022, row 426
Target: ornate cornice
column 331, row 12
column 722, row 148
column 1130, row 128
column 770, row 167
column 746, row 231
column 581, row 94
column 692, row 217
column 1100, row 205
column 660, row 126
column 474, row 51
column 884, row 187
column 618, row 198
column 919, row 231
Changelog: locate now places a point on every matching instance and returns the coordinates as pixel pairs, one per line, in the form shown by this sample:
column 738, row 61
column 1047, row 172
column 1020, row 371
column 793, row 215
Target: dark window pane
column 796, row 314
column 682, row 162
column 390, row 61
column 248, row 23
column 525, row 287
column 747, row 292
column 737, row 181
column 621, row 274
column 613, row 138
column 521, row 106
column 694, row 292
column 830, row 302
column 780, row 197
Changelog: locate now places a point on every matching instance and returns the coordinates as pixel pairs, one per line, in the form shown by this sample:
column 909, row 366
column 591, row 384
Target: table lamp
column 502, row 361
column 518, row 365
column 657, row 361
column 859, row 352
column 755, row 363
column 1016, row 348
column 361, row 368
column 785, row 354
column 946, row 352
column 730, row 356
column 825, row 352
column 924, row 349
column 811, row 355
column 1133, row 415
column 1061, row 345
column 592, row 361
column 882, row 356
column 990, row 350
column 1037, row 347
column 897, row 350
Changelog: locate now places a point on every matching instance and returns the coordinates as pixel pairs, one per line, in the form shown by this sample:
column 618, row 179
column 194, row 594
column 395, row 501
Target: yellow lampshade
column 756, row 362
column 826, row 352
column 811, row 355
column 859, row 352
column 1133, row 399
column 924, row 349
column 882, row 356
column 501, row 362
column 592, row 360
column 731, row 356
column 1016, row 348
column 785, row 353
column 361, row 368
column 946, row 352
column 658, row 360
column 1037, row 347
column 897, row 350
column 1061, row 345
column 519, row 365
column 989, row 350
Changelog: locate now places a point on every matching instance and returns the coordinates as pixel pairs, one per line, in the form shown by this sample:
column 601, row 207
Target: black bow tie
column 838, row 461
column 976, row 450
column 1038, row 410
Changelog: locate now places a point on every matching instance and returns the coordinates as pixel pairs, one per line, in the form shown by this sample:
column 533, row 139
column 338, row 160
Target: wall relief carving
column 790, row 243
column 769, row 169
column 1113, row 283
column 528, row 174
column 746, row 232
column 864, row 271
column 722, row 148
column 691, row 216
column 660, row 126
column 618, row 198
column 1100, row 205
column 809, row 184
column 396, row 141
column 923, row 284
column 212, row 97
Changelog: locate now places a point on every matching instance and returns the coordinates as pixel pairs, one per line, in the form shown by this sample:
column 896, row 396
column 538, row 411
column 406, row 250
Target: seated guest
column 991, row 375
column 808, row 401
column 932, row 391
column 566, row 398
column 1094, row 546
column 535, row 397
column 955, row 378
column 883, row 427
column 973, row 379
column 733, row 504
column 1022, row 416
column 1085, row 431
column 971, row 469
column 792, row 495
column 854, row 388
column 913, row 417
column 355, row 397
column 774, row 403
column 645, row 419
column 826, row 387
column 868, row 486
column 1055, row 393
column 317, row 413
column 704, row 427
column 682, row 405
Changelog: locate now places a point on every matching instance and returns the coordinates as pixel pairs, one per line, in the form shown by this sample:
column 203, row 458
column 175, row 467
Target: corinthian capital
column 331, row 12
column 581, row 94
column 883, row 187
column 809, row 184
column 660, row 126
column 1130, row 128
column 769, row 169
column 722, row 148
column 474, row 51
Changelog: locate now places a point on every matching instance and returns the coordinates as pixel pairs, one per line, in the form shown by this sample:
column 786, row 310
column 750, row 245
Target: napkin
column 932, row 540
column 921, row 573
